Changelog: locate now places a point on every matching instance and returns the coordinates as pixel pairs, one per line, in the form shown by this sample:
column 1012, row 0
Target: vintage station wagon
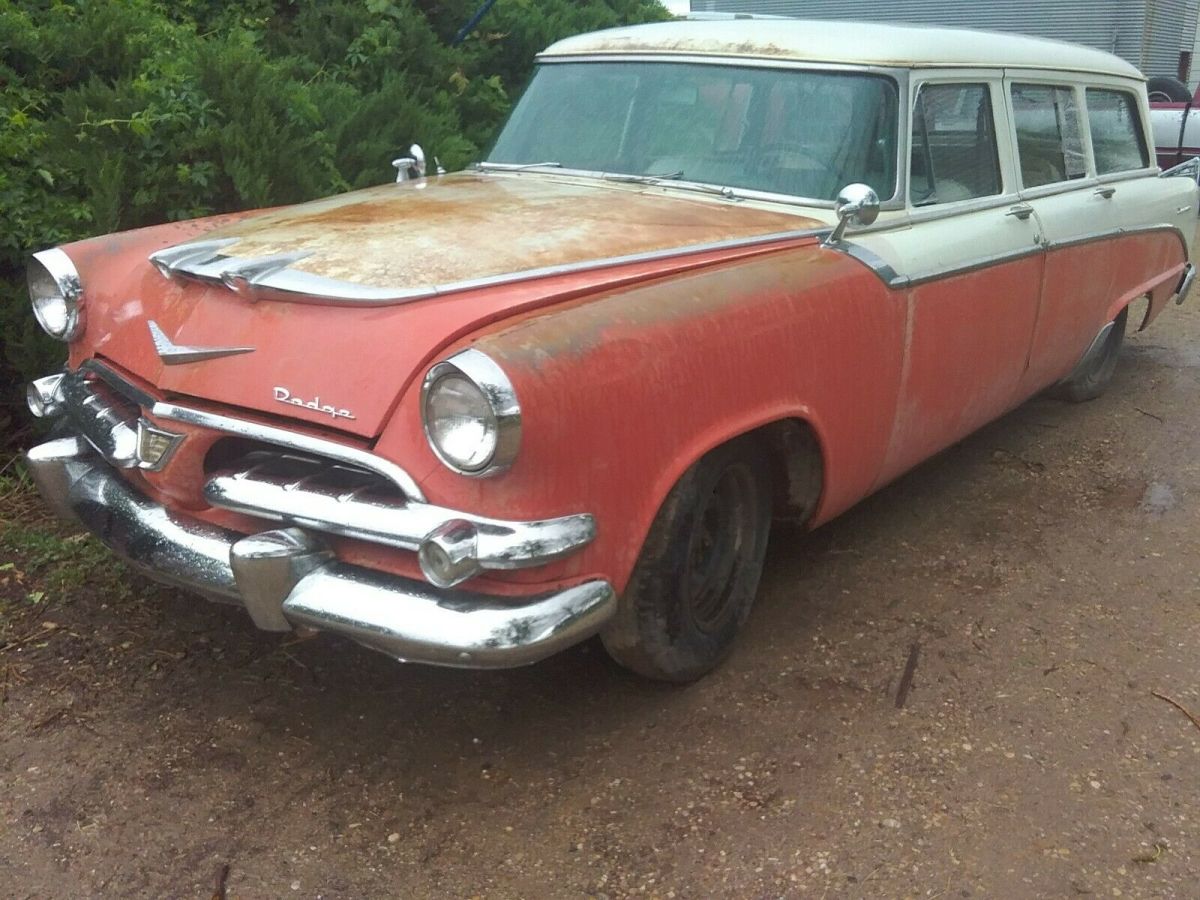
column 711, row 274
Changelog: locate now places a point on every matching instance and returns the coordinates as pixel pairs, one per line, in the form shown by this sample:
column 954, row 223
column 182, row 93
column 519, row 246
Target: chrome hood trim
column 435, row 236
column 274, row 280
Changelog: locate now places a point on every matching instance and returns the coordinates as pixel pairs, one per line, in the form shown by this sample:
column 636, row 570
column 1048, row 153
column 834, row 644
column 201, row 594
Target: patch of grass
column 43, row 561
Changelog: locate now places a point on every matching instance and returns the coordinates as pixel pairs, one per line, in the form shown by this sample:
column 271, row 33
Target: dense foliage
column 121, row 113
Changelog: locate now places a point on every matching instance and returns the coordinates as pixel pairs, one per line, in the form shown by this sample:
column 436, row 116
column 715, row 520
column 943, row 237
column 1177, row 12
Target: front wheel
column 698, row 573
column 1095, row 370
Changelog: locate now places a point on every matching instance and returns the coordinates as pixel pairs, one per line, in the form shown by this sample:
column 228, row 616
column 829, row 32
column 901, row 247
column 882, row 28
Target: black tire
column 1095, row 370
column 1164, row 88
column 698, row 573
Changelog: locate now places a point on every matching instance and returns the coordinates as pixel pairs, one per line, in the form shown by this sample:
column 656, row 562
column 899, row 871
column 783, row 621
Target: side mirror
column 413, row 165
column 856, row 205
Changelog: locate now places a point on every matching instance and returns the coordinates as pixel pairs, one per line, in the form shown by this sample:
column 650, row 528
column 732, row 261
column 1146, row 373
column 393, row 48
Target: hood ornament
column 173, row 354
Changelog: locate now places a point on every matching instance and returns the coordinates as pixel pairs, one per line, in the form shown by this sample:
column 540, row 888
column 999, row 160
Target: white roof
column 861, row 43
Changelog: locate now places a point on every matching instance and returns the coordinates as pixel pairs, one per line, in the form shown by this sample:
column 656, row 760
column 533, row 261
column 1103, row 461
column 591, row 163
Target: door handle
column 1106, row 192
column 1022, row 211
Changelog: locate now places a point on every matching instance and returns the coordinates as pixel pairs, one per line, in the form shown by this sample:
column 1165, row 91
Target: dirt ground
column 1044, row 574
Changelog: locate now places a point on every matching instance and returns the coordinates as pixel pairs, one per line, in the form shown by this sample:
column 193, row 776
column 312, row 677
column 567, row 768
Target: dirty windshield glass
column 786, row 131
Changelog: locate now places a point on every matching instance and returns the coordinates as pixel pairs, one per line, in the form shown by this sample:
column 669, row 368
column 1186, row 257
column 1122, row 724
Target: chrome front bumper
column 287, row 577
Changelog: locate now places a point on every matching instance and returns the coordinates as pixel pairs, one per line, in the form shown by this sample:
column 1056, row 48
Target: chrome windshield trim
column 657, row 181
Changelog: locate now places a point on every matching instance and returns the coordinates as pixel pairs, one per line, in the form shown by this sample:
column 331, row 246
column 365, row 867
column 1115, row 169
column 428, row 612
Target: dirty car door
column 972, row 264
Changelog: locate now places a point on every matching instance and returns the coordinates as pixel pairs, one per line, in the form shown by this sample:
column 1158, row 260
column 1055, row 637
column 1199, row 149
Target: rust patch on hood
column 467, row 226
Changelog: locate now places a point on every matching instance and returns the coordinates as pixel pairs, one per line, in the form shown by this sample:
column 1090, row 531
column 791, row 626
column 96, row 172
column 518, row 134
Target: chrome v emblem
column 173, row 354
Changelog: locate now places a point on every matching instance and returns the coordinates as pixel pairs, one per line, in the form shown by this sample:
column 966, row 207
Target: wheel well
column 798, row 468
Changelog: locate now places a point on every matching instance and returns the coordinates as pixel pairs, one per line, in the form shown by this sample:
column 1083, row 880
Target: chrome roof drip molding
column 173, row 354
column 283, row 283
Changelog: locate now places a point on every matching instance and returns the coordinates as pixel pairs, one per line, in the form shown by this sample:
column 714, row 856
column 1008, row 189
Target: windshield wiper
column 699, row 187
column 517, row 167
column 641, row 179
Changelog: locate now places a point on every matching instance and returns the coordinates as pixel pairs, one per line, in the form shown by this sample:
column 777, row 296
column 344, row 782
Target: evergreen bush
column 116, row 114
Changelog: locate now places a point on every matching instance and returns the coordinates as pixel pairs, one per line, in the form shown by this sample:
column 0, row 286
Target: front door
column 974, row 259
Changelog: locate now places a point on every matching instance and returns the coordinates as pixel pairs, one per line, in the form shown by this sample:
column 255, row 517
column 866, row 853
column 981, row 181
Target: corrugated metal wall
column 1148, row 33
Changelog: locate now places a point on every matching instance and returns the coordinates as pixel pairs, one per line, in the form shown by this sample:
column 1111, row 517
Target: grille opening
column 291, row 469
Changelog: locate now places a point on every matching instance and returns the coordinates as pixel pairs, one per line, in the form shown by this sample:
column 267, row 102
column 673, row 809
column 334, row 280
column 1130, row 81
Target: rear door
column 1058, row 180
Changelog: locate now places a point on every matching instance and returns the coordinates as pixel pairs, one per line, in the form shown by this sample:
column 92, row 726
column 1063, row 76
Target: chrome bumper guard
column 286, row 578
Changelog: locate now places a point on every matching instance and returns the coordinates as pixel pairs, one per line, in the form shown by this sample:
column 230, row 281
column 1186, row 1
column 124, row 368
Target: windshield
column 785, row 131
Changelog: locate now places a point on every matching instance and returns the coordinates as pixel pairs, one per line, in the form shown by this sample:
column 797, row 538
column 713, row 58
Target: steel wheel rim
column 717, row 548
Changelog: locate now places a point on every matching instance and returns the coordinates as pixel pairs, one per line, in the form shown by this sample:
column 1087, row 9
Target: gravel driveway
column 1039, row 582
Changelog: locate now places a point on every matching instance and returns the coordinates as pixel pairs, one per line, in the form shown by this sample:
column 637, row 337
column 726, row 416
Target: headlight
column 55, row 291
column 472, row 418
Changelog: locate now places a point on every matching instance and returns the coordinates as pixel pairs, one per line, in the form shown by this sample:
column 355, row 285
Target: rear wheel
column 1095, row 370
column 696, row 579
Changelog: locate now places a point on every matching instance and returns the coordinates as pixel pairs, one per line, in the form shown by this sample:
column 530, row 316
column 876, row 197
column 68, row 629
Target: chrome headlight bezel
column 56, row 294
column 501, row 428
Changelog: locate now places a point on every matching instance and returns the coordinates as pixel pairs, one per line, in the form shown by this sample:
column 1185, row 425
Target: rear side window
column 953, row 145
column 1117, row 138
column 1049, row 136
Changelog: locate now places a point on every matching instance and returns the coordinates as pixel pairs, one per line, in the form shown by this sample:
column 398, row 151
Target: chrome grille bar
column 353, row 503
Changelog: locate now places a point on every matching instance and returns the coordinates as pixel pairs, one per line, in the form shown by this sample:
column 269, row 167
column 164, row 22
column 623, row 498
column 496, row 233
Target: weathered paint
column 622, row 391
column 843, row 43
column 361, row 360
column 463, row 227
column 627, row 377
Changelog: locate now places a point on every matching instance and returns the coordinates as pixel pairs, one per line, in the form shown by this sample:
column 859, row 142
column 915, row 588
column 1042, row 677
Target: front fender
column 622, row 391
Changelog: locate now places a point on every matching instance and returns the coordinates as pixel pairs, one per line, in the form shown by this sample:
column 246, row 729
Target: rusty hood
column 434, row 259
column 432, row 236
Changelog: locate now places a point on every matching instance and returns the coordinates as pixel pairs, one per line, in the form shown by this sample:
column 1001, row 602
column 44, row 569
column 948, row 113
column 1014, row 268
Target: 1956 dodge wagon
column 711, row 274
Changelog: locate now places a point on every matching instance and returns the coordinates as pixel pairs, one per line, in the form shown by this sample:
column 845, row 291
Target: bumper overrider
column 288, row 577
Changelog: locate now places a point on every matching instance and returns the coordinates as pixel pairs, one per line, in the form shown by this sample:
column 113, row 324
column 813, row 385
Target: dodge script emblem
column 283, row 395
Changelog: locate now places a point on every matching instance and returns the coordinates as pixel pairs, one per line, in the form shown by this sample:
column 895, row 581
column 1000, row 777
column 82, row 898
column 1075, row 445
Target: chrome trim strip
column 282, row 437
column 292, row 285
column 169, row 259
column 896, row 281
column 293, row 441
column 173, row 354
column 292, row 581
column 869, row 258
column 302, row 498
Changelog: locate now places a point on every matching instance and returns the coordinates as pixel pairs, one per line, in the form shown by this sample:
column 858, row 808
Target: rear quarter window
column 1118, row 140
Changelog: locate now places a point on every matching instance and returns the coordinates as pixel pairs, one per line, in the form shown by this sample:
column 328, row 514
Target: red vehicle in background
column 1175, row 121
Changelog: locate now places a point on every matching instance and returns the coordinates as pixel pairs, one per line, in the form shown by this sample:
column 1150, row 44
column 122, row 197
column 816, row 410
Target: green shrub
column 120, row 113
